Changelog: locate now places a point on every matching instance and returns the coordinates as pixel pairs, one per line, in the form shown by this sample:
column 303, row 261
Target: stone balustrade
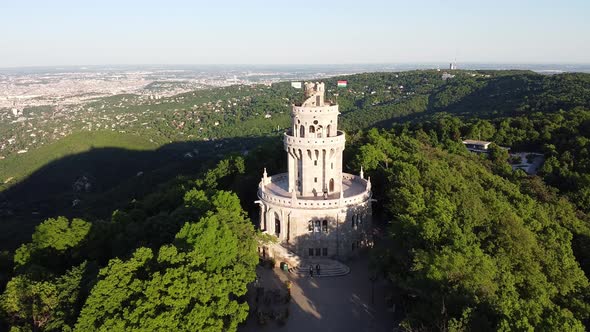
column 326, row 109
column 314, row 142
column 279, row 195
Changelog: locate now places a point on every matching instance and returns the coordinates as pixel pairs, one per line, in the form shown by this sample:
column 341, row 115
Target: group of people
column 317, row 269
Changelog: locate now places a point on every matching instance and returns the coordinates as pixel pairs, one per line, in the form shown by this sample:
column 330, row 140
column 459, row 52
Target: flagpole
column 337, row 92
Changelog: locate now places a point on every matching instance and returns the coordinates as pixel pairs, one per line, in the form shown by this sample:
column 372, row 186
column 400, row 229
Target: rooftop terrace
column 355, row 190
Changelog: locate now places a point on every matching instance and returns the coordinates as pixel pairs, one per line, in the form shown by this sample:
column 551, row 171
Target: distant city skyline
column 175, row 32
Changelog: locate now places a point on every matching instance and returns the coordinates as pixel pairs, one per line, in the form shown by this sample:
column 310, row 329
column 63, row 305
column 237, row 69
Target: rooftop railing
column 338, row 139
column 284, row 198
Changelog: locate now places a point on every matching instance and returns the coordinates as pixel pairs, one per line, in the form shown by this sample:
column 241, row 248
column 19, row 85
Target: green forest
column 179, row 259
column 474, row 250
column 469, row 244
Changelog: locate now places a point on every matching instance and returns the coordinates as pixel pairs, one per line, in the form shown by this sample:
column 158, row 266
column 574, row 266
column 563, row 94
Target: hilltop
column 467, row 243
column 190, row 128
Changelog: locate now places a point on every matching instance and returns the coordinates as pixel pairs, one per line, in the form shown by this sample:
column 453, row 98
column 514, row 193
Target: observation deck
column 307, row 142
column 327, row 108
column 355, row 190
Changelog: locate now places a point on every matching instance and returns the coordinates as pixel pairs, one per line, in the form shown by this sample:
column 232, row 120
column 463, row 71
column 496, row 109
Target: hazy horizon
column 409, row 63
column 329, row 69
column 228, row 32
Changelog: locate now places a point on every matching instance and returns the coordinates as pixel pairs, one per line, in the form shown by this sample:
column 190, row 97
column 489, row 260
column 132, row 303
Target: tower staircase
column 328, row 268
column 300, row 266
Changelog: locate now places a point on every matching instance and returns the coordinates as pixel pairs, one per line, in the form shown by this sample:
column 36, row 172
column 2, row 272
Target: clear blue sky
column 87, row 32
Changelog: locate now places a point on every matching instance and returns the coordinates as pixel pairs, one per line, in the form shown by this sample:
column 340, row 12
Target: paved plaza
column 329, row 304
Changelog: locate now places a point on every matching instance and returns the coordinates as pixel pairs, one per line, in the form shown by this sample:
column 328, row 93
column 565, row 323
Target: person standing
column 317, row 269
column 311, row 271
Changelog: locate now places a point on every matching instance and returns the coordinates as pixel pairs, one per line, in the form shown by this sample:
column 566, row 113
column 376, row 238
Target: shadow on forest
column 92, row 184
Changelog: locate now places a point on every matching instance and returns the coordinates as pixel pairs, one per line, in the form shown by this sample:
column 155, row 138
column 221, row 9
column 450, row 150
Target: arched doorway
column 277, row 225
column 331, row 185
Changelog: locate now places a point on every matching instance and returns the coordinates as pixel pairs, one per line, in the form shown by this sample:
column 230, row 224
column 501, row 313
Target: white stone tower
column 315, row 146
column 315, row 209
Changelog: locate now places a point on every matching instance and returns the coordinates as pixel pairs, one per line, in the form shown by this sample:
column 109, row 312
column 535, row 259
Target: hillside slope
column 17, row 167
column 471, row 250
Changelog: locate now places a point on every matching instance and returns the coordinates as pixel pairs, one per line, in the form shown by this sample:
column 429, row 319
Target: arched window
column 311, row 129
column 310, row 226
column 331, row 185
column 328, row 130
column 317, row 226
column 325, row 226
column 320, row 132
column 302, row 131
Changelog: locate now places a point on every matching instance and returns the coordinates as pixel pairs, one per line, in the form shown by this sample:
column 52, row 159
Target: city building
column 315, row 210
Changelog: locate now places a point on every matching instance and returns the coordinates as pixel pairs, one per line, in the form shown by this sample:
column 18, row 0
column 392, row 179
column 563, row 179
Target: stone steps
column 300, row 266
column 328, row 268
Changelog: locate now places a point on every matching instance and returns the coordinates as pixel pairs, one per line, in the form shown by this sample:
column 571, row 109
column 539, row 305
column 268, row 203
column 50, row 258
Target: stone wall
column 346, row 230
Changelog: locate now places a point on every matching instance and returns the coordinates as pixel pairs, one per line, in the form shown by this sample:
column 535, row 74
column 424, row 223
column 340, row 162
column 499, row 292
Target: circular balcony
column 316, row 110
column 275, row 191
column 310, row 142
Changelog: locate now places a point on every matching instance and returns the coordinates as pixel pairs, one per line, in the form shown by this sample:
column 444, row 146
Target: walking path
column 329, row 304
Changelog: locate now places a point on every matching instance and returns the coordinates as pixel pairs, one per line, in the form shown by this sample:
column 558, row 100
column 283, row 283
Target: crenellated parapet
column 314, row 94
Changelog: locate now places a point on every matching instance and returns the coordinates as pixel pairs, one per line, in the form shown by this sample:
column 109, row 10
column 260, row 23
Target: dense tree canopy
column 192, row 285
column 178, row 260
column 471, row 251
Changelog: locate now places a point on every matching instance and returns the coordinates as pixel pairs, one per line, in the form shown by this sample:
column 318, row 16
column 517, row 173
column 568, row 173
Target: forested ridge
column 473, row 250
column 469, row 244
